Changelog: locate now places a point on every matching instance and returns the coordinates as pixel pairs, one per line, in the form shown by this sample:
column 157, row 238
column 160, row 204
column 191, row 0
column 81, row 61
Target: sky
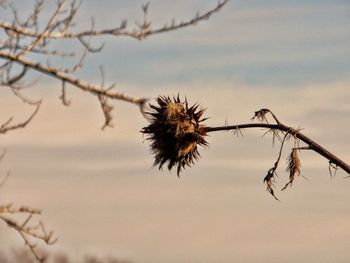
column 98, row 189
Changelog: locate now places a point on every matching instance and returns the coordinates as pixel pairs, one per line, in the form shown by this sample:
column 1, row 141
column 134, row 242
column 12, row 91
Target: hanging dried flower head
column 175, row 131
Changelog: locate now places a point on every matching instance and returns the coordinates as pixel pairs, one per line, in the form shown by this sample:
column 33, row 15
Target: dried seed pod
column 175, row 131
column 261, row 115
column 294, row 167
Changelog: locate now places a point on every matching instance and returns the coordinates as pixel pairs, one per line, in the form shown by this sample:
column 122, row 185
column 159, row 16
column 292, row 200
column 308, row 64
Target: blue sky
column 273, row 43
column 98, row 189
column 276, row 43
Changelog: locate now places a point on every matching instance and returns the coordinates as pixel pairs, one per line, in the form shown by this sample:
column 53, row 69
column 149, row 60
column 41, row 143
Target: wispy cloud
column 98, row 188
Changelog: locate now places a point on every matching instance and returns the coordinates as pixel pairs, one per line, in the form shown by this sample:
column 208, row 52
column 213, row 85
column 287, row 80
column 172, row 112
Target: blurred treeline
column 24, row 256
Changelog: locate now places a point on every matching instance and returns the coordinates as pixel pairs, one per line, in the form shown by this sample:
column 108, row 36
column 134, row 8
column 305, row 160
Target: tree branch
column 28, row 231
column 120, row 30
column 68, row 78
column 176, row 130
column 25, row 36
column 281, row 127
column 4, row 128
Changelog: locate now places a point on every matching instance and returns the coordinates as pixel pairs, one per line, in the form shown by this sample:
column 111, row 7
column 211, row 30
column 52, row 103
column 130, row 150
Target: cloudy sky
column 98, row 189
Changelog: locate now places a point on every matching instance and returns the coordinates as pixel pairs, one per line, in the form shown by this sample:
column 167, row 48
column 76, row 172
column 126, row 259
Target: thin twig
column 115, row 31
column 4, row 128
column 271, row 173
column 61, row 75
column 281, row 127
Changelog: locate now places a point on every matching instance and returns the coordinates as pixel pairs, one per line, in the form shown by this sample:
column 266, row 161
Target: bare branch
column 176, row 130
column 105, row 106
column 141, row 33
column 63, row 76
column 4, row 128
column 16, row 91
column 271, row 173
column 29, row 232
column 26, row 231
column 107, row 111
column 293, row 161
column 281, row 127
column 25, row 36
column 17, row 77
column 6, row 46
column 63, row 96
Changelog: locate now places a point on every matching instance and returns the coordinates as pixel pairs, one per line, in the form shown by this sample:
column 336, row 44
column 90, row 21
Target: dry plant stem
column 6, row 127
column 175, row 131
column 8, row 213
column 61, row 75
column 28, row 232
column 24, row 36
column 281, row 127
column 142, row 32
column 271, row 173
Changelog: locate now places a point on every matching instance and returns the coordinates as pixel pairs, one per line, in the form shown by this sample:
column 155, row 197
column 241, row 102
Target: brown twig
column 293, row 160
column 61, row 75
column 140, row 33
column 281, row 127
column 28, row 232
column 4, row 128
column 22, row 38
column 175, row 131
column 269, row 179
